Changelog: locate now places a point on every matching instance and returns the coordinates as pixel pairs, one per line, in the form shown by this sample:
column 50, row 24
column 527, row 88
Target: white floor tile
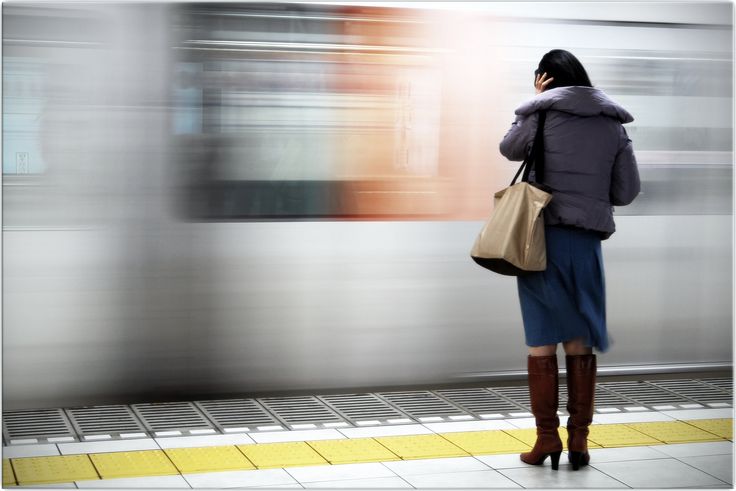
column 204, row 441
column 695, row 449
column 137, row 482
column 506, row 461
column 544, row 477
column 385, row 431
column 524, row 423
column 660, row 473
column 718, row 466
column 280, row 486
column 469, row 426
column 236, row 479
column 316, row 473
column 700, row 413
column 644, row 417
column 600, row 455
column 20, row 451
column 108, row 446
column 435, row 466
column 476, row 479
column 379, row 482
column 296, row 436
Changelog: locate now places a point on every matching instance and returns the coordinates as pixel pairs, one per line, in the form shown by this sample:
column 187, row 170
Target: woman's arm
column 625, row 185
column 519, row 139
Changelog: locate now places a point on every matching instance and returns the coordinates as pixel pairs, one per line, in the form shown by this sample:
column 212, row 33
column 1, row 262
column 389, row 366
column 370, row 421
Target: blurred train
column 205, row 200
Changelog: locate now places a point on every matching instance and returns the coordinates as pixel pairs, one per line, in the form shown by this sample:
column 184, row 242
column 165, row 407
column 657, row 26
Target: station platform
column 654, row 432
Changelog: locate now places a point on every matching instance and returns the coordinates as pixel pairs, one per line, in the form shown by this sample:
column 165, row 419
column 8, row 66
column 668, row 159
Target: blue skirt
column 568, row 299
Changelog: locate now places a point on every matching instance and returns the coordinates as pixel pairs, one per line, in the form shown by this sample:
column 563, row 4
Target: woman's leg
column 543, row 392
column 576, row 347
column 581, row 367
column 546, row 350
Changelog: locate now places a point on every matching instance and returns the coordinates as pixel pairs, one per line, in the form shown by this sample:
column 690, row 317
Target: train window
column 23, row 104
column 289, row 120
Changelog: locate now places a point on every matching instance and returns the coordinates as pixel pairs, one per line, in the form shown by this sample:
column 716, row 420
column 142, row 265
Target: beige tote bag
column 512, row 241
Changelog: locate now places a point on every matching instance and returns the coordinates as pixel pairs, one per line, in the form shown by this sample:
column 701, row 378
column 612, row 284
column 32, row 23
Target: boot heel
column 555, row 456
column 576, row 459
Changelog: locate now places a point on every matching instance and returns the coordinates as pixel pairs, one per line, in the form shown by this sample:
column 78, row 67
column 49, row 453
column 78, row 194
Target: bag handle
column 536, row 155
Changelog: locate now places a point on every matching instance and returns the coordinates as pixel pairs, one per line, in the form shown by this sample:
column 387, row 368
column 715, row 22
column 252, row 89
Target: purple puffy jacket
column 589, row 161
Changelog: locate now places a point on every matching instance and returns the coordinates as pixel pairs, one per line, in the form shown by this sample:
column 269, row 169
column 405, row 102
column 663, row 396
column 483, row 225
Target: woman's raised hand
column 541, row 82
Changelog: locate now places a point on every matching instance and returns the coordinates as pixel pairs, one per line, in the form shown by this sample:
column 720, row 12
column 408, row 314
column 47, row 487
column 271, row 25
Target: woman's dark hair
column 564, row 68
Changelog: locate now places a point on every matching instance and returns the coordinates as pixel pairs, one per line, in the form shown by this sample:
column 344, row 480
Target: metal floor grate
column 359, row 408
column 295, row 411
column 171, row 417
column 606, row 398
column 644, row 393
column 694, row 390
column 236, row 414
column 104, row 420
column 479, row 401
column 41, row 424
column 518, row 395
column 722, row 383
column 422, row 405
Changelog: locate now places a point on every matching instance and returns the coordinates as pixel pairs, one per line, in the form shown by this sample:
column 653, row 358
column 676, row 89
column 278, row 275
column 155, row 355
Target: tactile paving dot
column 289, row 454
column 529, row 436
column 674, row 432
column 618, row 435
column 486, row 442
column 720, row 427
column 421, row 446
column 8, row 476
column 132, row 464
column 208, row 459
column 353, row 450
column 63, row 468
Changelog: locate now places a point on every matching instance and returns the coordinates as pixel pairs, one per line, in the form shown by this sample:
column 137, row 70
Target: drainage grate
column 518, row 395
column 694, row 390
column 606, row 398
column 295, row 411
column 33, row 425
column 422, row 405
column 171, row 418
column 236, row 414
column 104, row 420
column 479, row 401
column 723, row 383
column 643, row 393
column 359, row 408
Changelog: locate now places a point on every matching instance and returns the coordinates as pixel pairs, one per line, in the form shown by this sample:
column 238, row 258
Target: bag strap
column 536, row 155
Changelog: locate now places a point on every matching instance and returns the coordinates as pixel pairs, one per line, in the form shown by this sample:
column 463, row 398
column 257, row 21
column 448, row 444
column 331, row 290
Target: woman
column 589, row 167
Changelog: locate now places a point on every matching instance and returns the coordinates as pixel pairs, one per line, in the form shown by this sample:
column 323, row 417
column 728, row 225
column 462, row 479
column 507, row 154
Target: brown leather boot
column 543, row 390
column 580, row 395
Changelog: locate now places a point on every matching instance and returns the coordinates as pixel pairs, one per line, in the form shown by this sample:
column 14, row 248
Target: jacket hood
column 578, row 100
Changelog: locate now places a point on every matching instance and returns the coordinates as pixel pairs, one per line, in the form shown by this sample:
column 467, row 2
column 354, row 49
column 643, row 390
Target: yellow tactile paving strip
column 8, row 474
column 208, row 459
column 675, row 432
column 273, row 455
column 45, row 470
column 421, row 447
column 720, row 427
column 130, row 464
column 69, row 468
column 487, row 442
column 353, row 450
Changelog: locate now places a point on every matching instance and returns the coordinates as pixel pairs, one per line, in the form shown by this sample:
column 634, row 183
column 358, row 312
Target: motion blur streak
column 216, row 199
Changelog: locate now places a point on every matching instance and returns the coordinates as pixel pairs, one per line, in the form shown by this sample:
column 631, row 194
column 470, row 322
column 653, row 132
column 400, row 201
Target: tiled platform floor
column 662, row 465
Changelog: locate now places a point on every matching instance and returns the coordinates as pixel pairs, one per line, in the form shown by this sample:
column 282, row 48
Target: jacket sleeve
column 519, row 139
column 625, row 185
